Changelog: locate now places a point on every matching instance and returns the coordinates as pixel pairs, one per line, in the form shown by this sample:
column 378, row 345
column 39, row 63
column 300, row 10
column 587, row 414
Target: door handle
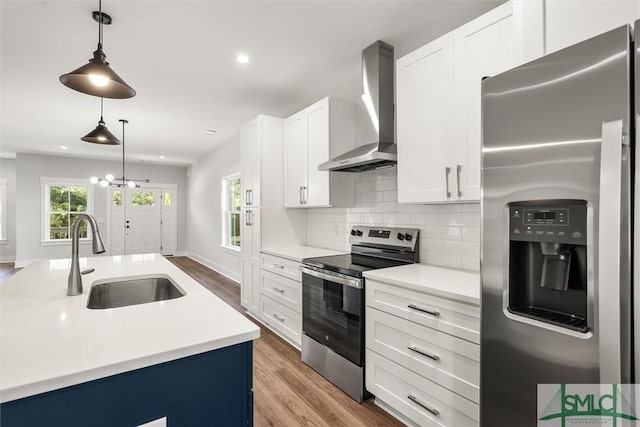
column 458, row 169
column 250, row 197
column 301, row 196
column 250, row 218
column 414, row 399
column 424, row 310
column 424, row 353
column 610, row 266
column 447, row 171
column 246, row 197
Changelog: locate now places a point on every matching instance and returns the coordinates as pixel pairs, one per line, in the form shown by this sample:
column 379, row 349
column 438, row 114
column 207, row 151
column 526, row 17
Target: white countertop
column 49, row 340
column 452, row 284
column 298, row 252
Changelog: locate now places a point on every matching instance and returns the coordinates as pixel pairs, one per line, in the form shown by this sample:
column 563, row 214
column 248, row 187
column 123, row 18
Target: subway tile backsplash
column 449, row 233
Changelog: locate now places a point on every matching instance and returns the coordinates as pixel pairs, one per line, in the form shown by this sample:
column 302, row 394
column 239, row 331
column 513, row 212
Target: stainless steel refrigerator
column 557, row 213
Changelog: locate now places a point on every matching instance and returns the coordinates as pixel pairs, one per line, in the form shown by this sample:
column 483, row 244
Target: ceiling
column 180, row 57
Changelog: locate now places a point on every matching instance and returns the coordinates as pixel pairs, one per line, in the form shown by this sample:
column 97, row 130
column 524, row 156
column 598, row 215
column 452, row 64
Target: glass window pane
column 117, row 198
column 166, row 200
column 83, row 227
column 58, row 226
column 236, row 195
column 234, row 238
column 58, row 198
column 143, row 198
column 78, row 199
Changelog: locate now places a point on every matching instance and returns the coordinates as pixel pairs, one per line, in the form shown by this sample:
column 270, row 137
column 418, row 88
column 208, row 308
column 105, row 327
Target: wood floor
column 286, row 391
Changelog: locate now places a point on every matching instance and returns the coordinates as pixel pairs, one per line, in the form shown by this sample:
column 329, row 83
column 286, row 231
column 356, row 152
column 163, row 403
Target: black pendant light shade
column 98, row 79
column 101, row 135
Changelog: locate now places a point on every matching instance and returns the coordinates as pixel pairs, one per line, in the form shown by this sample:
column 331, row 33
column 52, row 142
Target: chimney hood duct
column 378, row 94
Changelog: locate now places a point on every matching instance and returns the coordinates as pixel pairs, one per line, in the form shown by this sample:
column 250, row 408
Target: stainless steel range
column 333, row 302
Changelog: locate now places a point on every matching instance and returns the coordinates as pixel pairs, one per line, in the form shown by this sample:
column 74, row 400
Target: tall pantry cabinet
column 263, row 217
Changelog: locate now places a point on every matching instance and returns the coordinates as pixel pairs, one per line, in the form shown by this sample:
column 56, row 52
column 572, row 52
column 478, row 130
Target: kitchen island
column 188, row 359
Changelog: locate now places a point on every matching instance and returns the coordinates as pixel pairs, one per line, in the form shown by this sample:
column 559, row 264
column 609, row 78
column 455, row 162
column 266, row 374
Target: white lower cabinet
column 422, row 401
column 422, row 355
column 281, row 297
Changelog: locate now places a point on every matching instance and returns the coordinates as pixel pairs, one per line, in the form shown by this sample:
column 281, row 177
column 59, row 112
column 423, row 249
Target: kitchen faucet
column 74, row 286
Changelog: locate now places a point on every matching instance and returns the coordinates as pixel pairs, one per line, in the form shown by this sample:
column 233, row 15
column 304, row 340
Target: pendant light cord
column 101, row 108
column 100, row 25
column 123, row 175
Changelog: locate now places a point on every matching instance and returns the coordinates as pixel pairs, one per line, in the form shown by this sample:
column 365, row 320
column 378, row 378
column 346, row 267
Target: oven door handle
column 354, row 283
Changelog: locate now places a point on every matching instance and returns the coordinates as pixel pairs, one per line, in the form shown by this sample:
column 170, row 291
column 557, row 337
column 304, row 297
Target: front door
column 142, row 220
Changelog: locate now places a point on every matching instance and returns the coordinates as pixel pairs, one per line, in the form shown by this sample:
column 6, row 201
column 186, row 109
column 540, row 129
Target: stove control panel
column 388, row 236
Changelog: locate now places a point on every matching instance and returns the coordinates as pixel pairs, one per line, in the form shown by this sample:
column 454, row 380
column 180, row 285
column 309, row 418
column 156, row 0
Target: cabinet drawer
column 449, row 361
column 452, row 317
column 282, row 319
column 397, row 386
column 285, row 291
column 281, row 266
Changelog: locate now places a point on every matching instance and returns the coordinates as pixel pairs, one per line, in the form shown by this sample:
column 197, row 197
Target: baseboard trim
column 231, row 275
column 8, row 259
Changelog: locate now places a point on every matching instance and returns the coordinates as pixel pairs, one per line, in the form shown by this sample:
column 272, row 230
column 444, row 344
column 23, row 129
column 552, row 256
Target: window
column 231, row 193
column 143, row 198
column 63, row 200
column 3, row 209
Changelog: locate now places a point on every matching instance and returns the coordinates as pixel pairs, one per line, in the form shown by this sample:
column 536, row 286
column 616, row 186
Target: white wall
column 8, row 172
column 205, row 209
column 449, row 233
column 31, row 167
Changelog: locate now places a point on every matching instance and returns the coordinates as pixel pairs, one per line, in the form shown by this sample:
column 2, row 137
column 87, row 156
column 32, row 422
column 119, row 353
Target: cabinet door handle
column 424, row 353
column 250, row 197
column 414, row 399
column 447, row 171
column 278, row 266
column 458, row 169
column 246, row 197
column 424, row 310
column 248, row 220
column 278, row 290
column 305, row 194
column 275, row 315
column 301, row 196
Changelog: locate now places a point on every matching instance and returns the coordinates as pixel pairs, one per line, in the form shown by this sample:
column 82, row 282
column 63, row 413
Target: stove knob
column 353, row 232
column 400, row 236
column 408, row 237
column 359, row 233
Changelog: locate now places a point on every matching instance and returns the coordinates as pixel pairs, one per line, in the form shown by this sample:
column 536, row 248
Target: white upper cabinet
column 311, row 137
column 250, row 147
column 425, row 99
column 570, row 21
column 438, row 101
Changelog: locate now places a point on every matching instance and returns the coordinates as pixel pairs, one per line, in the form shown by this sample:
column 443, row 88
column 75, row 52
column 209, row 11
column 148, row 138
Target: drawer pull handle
column 424, row 310
column 281, row 319
column 280, row 291
column 424, row 353
column 278, row 266
column 414, row 399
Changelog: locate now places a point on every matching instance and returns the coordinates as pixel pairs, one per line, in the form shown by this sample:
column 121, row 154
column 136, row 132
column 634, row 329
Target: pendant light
column 101, row 135
column 97, row 78
column 111, row 181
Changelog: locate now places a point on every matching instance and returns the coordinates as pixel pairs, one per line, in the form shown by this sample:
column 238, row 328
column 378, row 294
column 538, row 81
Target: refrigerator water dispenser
column 547, row 262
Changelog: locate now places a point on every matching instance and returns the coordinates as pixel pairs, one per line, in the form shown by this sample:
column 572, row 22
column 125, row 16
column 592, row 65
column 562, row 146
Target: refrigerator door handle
column 609, row 253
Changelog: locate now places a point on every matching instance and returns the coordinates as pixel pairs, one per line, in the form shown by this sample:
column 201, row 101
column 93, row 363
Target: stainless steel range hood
column 378, row 88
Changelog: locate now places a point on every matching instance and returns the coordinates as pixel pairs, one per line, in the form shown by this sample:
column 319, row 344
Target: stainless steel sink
column 124, row 292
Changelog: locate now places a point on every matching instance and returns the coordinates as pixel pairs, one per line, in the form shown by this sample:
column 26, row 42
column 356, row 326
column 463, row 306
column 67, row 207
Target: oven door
column 333, row 312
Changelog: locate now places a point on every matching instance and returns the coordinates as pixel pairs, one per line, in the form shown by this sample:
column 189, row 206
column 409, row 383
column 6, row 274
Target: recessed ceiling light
column 162, row 157
column 242, row 58
column 63, row 147
column 210, row 131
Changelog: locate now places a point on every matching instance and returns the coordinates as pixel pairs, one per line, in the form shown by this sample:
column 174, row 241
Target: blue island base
column 207, row 389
